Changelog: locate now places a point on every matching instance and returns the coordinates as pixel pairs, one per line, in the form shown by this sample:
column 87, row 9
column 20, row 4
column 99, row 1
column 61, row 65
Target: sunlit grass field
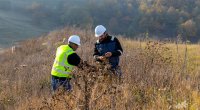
column 156, row 75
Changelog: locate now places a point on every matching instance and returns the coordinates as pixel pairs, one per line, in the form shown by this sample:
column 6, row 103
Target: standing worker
column 65, row 60
column 107, row 47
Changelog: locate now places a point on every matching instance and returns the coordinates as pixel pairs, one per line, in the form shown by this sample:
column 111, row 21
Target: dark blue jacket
column 110, row 44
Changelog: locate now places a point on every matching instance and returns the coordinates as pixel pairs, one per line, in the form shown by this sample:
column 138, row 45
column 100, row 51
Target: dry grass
column 156, row 75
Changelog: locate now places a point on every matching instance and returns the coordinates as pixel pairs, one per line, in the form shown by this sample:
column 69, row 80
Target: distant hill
column 5, row 5
column 159, row 19
column 15, row 26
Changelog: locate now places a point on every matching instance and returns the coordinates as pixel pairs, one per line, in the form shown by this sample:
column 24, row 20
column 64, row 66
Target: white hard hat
column 74, row 39
column 99, row 30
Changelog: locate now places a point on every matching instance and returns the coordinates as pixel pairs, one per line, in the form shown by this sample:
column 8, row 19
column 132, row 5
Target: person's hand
column 102, row 58
column 80, row 65
column 108, row 54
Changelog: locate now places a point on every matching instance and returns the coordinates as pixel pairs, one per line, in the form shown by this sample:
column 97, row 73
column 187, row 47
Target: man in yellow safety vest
column 65, row 60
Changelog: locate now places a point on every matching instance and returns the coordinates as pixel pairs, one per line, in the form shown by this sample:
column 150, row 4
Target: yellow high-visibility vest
column 61, row 67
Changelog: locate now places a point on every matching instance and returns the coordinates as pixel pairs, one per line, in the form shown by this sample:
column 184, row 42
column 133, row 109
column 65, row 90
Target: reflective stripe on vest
column 61, row 67
column 60, row 71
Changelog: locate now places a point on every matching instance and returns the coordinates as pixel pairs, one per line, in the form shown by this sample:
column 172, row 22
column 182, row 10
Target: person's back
column 61, row 67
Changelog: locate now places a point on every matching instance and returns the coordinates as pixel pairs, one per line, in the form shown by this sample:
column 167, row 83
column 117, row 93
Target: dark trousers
column 117, row 71
column 56, row 82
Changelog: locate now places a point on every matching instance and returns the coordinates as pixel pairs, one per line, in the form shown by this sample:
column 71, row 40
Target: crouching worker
column 65, row 60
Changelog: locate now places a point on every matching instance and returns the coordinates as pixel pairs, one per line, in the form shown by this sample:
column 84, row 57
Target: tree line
column 135, row 18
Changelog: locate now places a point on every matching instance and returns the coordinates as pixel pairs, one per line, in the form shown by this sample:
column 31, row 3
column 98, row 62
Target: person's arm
column 96, row 54
column 119, row 49
column 74, row 59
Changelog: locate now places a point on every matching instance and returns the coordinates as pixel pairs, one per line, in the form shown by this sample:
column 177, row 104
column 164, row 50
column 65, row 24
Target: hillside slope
column 155, row 76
